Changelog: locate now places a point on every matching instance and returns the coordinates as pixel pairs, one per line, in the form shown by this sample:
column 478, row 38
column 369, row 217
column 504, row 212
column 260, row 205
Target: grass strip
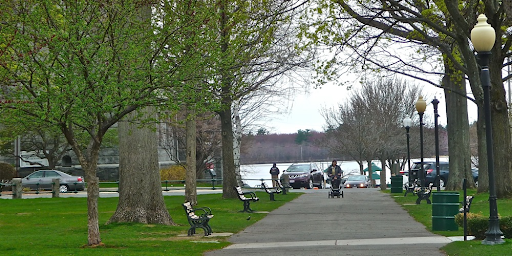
column 423, row 214
column 58, row 226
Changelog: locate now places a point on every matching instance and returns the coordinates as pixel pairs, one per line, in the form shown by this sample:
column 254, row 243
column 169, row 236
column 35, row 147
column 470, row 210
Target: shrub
column 478, row 224
column 175, row 172
column 506, row 226
column 7, row 171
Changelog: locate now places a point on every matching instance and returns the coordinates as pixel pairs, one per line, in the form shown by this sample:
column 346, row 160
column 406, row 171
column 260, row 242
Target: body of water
column 253, row 173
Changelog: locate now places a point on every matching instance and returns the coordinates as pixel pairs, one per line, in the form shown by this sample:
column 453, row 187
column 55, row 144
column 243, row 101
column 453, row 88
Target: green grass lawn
column 58, row 226
column 423, row 214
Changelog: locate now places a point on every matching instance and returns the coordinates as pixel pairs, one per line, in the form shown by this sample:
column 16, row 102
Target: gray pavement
column 364, row 222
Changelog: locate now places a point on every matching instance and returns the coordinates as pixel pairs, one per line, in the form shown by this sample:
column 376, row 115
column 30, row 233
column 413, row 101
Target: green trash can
column 397, row 184
column 445, row 205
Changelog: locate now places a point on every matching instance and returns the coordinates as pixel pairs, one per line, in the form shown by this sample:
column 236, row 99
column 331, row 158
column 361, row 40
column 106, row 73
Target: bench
column 247, row 198
column 466, row 205
column 423, row 194
column 269, row 191
column 198, row 218
column 410, row 188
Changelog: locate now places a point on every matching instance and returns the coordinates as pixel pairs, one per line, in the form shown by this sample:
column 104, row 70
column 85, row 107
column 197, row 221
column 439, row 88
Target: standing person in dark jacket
column 334, row 172
column 274, row 172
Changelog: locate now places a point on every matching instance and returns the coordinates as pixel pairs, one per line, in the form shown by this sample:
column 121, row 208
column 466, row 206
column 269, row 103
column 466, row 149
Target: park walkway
column 364, row 222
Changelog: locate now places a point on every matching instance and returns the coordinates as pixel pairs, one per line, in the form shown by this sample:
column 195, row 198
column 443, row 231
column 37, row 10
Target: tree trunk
column 190, row 181
column 237, row 138
column 140, row 189
column 500, row 131
column 370, row 174
column 93, row 193
column 458, row 130
column 228, row 170
column 89, row 162
column 383, row 176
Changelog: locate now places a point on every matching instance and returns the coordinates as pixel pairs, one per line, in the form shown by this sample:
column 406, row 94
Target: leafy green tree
column 302, row 136
column 84, row 65
column 262, row 131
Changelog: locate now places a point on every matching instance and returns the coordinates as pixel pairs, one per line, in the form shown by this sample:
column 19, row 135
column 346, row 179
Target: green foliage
column 175, row 172
column 7, row 171
column 302, row 136
column 478, row 224
column 506, row 226
column 262, row 131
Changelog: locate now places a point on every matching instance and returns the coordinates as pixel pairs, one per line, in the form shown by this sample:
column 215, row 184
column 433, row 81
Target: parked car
column 444, row 171
column 42, row 179
column 357, row 181
column 305, row 175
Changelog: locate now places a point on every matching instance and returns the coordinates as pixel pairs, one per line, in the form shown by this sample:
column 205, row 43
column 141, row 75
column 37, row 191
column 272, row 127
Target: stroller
column 335, row 189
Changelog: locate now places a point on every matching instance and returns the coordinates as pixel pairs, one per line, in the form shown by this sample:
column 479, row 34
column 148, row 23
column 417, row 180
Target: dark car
column 430, row 172
column 357, row 181
column 42, row 179
column 305, row 175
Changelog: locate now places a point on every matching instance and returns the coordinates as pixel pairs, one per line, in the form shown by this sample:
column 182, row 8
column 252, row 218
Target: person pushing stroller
column 334, row 173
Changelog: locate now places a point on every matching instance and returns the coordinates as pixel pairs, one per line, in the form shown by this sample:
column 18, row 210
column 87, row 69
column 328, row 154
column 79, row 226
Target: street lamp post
column 435, row 102
column 483, row 39
column 407, row 124
column 421, row 105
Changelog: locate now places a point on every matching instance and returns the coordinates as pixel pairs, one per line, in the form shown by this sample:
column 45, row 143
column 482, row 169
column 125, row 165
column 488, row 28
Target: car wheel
column 476, row 183
column 310, row 183
column 63, row 188
column 442, row 183
column 321, row 186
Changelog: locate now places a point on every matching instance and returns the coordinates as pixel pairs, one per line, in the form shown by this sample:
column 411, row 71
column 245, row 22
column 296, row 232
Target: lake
column 253, row 173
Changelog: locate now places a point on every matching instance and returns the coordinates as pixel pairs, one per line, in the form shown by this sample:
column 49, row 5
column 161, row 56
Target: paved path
column 364, row 222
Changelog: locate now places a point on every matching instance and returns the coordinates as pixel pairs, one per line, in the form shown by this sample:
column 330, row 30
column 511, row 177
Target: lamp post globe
column 483, row 39
column 407, row 124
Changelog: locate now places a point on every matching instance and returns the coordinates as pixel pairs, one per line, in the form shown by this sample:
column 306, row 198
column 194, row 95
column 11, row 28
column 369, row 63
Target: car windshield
column 356, row 178
column 298, row 168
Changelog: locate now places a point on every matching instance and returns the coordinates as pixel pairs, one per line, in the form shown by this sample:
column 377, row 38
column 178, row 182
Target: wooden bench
column 271, row 191
column 466, row 205
column 247, row 198
column 198, row 218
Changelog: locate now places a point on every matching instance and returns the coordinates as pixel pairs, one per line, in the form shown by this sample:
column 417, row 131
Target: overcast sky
column 305, row 111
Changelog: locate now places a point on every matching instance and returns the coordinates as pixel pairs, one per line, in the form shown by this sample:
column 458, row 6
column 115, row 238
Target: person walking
column 274, row 172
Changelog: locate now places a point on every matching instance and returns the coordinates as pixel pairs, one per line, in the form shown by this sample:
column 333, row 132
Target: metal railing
column 167, row 185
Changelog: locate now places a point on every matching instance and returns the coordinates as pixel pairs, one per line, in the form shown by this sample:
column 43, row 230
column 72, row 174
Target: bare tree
column 256, row 49
column 368, row 126
column 371, row 30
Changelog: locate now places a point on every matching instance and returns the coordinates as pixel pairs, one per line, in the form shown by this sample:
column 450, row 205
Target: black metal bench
column 423, row 193
column 247, row 198
column 271, row 191
column 466, row 205
column 198, row 218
